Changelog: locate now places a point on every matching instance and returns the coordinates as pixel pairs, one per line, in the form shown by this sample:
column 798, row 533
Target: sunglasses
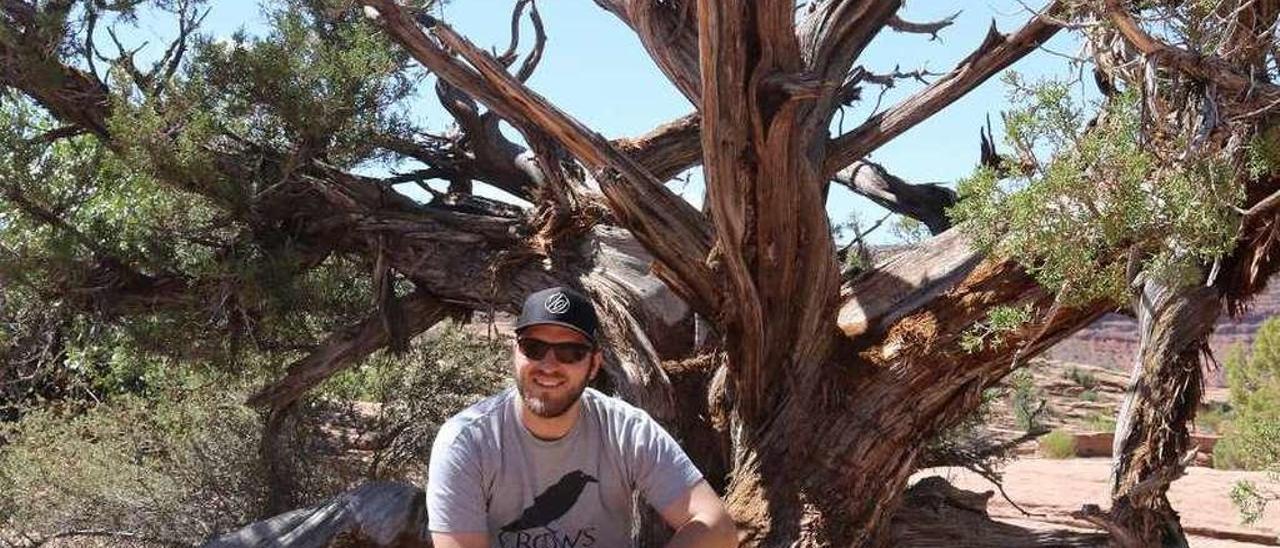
column 566, row 352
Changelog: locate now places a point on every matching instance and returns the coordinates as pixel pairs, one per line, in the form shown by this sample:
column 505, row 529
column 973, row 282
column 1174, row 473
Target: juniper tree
column 812, row 402
column 1162, row 198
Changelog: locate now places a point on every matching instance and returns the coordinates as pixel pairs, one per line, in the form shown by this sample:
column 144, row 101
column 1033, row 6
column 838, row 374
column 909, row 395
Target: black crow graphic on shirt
column 553, row 503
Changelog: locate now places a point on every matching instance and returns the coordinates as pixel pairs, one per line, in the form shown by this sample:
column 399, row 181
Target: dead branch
column 124, row 59
column 931, row 28
column 540, row 42
column 57, row 134
column 509, row 55
column 834, row 33
column 1209, row 69
column 669, row 149
column 347, row 347
column 926, row 203
column 676, row 233
column 107, row 533
column 668, row 32
column 890, row 79
column 1120, row 535
column 374, row 514
column 189, row 20
column 996, row 52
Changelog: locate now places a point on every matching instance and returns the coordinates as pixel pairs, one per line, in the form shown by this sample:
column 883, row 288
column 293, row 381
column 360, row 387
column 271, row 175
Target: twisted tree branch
column 996, row 52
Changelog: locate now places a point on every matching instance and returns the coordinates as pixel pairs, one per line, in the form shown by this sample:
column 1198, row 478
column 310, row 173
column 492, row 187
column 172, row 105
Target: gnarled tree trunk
column 821, row 393
column 1175, row 319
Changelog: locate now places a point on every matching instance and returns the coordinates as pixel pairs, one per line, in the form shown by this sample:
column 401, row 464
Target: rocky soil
column 1051, row 489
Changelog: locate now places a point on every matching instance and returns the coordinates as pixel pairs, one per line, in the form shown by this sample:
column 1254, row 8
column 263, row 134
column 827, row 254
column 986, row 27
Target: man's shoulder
column 476, row 417
column 615, row 409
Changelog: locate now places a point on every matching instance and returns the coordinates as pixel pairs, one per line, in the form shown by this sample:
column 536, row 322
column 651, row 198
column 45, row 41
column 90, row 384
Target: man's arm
column 459, row 540
column 455, row 503
column 700, row 519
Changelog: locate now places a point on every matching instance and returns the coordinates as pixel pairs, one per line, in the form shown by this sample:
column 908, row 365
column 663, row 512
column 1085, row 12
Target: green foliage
column 420, row 390
column 1214, row 419
column 1230, row 454
column 1027, row 401
column 1084, row 379
column 178, row 466
column 76, row 216
column 1058, row 444
column 1252, row 439
column 1100, row 193
column 1101, row 422
column 1263, row 154
column 989, row 333
column 1250, row 426
column 322, row 80
column 179, row 460
column 1089, row 395
column 1251, row 500
column 909, row 230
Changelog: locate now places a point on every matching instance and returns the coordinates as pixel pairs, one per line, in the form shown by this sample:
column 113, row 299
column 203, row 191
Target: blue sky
column 595, row 69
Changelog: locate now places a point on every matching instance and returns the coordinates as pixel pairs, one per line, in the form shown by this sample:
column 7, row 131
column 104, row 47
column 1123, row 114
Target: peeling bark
column 1175, row 320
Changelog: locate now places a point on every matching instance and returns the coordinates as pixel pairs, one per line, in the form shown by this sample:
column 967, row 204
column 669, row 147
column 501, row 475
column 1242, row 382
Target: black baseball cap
column 560, row 306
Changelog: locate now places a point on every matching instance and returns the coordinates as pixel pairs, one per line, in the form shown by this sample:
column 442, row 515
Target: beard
column 549, row 403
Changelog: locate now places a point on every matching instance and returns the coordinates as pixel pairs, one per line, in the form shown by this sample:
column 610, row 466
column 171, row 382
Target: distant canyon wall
column 1113, row 339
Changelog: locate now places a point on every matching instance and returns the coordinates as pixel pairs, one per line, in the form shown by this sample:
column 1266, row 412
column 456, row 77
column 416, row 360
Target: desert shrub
column 1101, row 422
column 1251, row 439
column 179, row 466
column 1228, row 454
column 179, row 462
column 1027, row 400
column 1082, row 378
column 968, row 439
column 1058, row 444
column 991, row 331
column 1250, row 500
column 442, row 373
column 1214, row 419
column 1089, row 395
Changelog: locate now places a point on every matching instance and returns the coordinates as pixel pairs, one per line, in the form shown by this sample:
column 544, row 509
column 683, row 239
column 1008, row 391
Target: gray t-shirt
column 489, row 474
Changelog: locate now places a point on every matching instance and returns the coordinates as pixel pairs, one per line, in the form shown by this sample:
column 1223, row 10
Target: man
column 553, row 463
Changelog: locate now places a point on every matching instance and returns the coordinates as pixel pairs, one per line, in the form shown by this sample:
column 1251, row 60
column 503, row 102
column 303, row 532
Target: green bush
column 1251, row 429
column 1083, row 378
column 1058, row 444
column 1027, row 400
column 1251, row 500
column 179, row 462
column 440, row 375
column 1228, row 454
column 1214, row 419
column 179, row 467
column 1251, row 439
column 1101, row 422
column 1089, row 395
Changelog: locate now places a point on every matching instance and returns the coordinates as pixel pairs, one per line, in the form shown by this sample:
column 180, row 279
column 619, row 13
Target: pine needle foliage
column 1100, row 195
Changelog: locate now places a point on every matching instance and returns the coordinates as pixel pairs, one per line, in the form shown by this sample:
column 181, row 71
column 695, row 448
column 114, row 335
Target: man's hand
column 699, row 519
column 459, row 540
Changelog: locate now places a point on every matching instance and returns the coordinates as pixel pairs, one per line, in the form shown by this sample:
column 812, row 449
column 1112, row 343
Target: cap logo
column 557, row 303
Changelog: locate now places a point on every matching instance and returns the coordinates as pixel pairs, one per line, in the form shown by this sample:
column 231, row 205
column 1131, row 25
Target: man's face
column 547, row 386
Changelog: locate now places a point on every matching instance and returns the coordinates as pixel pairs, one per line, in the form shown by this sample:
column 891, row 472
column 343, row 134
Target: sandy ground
column 1055, row 488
